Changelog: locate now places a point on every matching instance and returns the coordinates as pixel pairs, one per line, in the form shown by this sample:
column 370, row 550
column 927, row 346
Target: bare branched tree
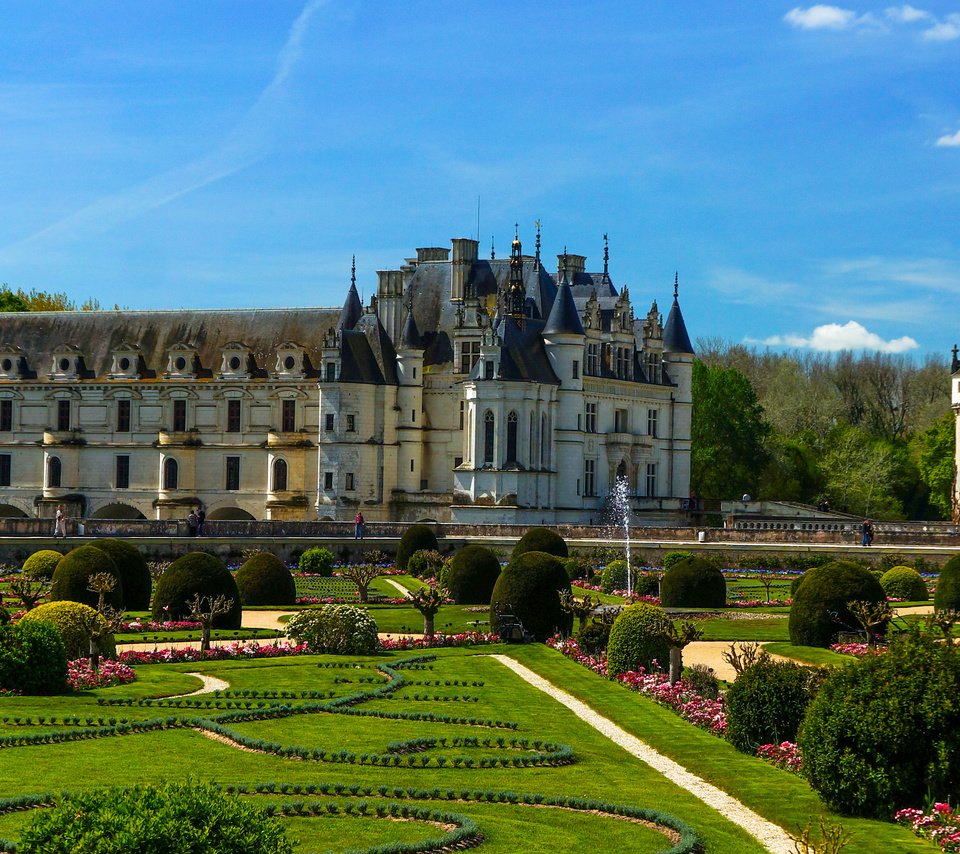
column 873, row 617
column 362, row 574
column 945, row 620
column 29, row 590
column 427, row 600
column 743, row 656
column 579, row 608
column 677, row 638
column 205, row 609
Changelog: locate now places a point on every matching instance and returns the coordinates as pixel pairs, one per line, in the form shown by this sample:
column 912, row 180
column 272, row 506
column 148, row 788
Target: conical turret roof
column 675, row 337
column 564, row 318
column 410, row 337
column 352, row 310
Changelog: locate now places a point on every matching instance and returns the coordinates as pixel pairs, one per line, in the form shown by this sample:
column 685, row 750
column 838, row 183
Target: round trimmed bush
column 195, row 817
column 693, row 583
column 884, row 734
column 133, row 569
column 317, row 561
column 73, row 621
column 541, row 540
column 637, row 639
column 594, row 637
column 415, row 538
column 33, row 659
column 819, row 609
column 42, row 564
column 795, row 584
column 196, row 573
column 767, row 703
column 472, row 574
column 265, row 580
column 425, row 563
column 904, row 582
column 72, row 576
column 529, row 586
column 578, row 567
column 947, row 595
column 614, row 576
column 340, row 629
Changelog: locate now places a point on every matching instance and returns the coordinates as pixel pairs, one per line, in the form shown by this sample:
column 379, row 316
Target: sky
column 797, row 166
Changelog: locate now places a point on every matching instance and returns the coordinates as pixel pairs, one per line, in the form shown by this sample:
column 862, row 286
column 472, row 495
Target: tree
column 362, row 574
column 29, row 590
column 100, row 583
column 936, row 449
column 728, row 433
column 427, row 600
column 9, row 301
column 677, row 638
column 861, row 472
column 579, row 608
column 35, row 300
column 205, row 610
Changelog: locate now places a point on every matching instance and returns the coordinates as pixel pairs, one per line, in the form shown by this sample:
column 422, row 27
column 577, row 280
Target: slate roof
column 98, row 333
column 675, row 337
column 367, row 354
column 564, row 317
column 410, row 337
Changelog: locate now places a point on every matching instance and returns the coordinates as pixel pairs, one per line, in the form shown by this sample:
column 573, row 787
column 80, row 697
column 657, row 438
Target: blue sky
column 798, row 165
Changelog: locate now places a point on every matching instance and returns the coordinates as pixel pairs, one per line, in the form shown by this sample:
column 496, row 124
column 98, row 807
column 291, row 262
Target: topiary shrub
column 317, row 561
column 693, row 583
column 196, row 573
column 885, row 733
column 72, row 576
column 795, row 584
column 541, row 540
column 637, row 639
column 819, row 609
column 33, row 659
column 134, row 572
column 578, row 567
column 702, row 680
column 670, row 558
column 529, row 587
column 646, row 584
column 614, row 576
column 73, row 620
column 904, row 582
column 340, row 629
column 265, row 580
column 767, row 702
column 594, row 637
column 415, row 538
column 425, row 563
column 42, row 564
column 947, row 595
column 472, row 574
column 194, row 817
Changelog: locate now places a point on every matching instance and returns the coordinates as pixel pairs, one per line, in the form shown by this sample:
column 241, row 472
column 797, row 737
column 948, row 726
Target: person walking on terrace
column 358, row 524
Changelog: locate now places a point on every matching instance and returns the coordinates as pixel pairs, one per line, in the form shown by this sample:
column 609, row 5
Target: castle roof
column 564, row 317
column 675, row 337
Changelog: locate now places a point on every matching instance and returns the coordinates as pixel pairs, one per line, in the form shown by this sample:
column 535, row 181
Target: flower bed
column 82, row 677
column 352, row 600
column 240, row 649
column 166, row 626
column 438, row 641
column 857, row 649
column 941, row 825
column 785, row 755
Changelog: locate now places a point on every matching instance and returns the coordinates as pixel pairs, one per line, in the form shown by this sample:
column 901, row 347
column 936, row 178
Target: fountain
column 618, row 503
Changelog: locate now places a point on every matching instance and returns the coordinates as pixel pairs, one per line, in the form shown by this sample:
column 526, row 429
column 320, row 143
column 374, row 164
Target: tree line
column 870, row 433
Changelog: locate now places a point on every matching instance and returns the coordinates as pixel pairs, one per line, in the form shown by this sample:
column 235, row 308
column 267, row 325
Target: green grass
column 161, row 638
column 811, row 654
column 757, row 629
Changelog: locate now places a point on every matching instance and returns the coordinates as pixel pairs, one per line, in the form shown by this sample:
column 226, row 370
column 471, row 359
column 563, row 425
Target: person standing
column 358, row 524
column 866, row 531
column 60, row 525
column 201, row 518
column 192, row 522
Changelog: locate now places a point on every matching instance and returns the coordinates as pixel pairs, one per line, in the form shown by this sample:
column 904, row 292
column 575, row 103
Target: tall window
column 54, row 473
column 331, row 372
column 591, row 418
column 233, row 416
column 651, row 480
column 576, row 369
column 349, row 485
column 593, row 360
column 589, row 477
column 624, row 357
column 469, row 355
column 171, row 473
column 288, row 416
column 179, row 416
column 123, row 416
column 351, row 423
column 531, row 444
column 63, row 415
column 488, row 427
column 620, row 421
column 122, row 480
column 512, row 437
column 4, row 469
column 279, row 475
column 6, row 416
column 652, row 422
column 328, row 480
column 461, row 414
column 328, row 422
column 233, row 473
column 653, row 367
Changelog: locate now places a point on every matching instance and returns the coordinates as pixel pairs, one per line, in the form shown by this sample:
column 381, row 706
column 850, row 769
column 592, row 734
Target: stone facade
column 467, row 390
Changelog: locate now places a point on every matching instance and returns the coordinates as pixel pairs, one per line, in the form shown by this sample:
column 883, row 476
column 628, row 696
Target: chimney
column 464, row 256
column 432, row 253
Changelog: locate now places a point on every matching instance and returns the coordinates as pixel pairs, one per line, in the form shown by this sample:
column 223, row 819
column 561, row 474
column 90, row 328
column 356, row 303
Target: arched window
column 54, row 472
column 279, row 476
column 512, row 437
column 171, row 473
column 488, row 427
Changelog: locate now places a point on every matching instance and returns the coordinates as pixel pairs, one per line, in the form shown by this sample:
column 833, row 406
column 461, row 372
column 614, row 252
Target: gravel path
column 210, row 683
column 771, row 836
column 403, row 590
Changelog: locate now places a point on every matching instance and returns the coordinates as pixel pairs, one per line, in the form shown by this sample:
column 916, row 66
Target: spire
column 606, row 258
column 564, row 318
column 352, row 309
column 675, row 337
column 410, row 338
column 563, row 264
column 955, row 364
column 536, row 259
column 516, row 296
column 493, row 251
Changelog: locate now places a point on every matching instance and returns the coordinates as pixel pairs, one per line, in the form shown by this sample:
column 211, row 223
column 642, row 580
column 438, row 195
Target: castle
column 468, row 389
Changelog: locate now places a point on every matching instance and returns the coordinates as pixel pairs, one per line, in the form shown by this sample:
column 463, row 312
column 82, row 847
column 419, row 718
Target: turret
column 563, row 336
column 352, row 309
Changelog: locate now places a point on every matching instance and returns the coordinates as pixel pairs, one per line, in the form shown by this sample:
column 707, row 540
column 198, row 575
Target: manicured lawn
column 773, row 628
column 811, row 654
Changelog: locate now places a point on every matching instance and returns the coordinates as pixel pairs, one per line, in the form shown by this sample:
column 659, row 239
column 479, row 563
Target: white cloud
column 907, row 14
column 949, row 140
column 833, row 337
column 944, row 31
column 820, row 17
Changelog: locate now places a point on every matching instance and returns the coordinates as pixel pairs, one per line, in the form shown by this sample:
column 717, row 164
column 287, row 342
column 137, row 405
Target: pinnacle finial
column 537, row 223
column 606, row 256
column 676, row 284
column 353, row 272
column 493, row 251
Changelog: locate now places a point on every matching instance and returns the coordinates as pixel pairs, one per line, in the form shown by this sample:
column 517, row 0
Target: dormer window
column 126, row 362
column 236, row 362
column 12, row 362
column 182, row 362
column 67, row 363
column 290, row 361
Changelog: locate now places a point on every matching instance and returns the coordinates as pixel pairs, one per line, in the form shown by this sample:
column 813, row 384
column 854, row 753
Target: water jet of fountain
column 620, row 506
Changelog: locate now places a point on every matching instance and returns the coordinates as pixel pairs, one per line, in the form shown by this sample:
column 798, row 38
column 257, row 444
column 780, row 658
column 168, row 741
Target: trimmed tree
column 638, row 637
column 693, row 583
column 472, row 575
column 33, row 658
column 530, row 587
column 75, row 622
column 821, row 606
column 71, row 578
column 42, row 564
column 265, row 580
column 427, row 600
column 541, row 540
column 904, row 582
column 947, row 595
column 195, row 574
column 134, row 572
column 414, row 539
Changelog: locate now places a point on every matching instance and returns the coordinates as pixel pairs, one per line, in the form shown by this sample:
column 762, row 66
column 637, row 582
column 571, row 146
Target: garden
column 387, row 716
